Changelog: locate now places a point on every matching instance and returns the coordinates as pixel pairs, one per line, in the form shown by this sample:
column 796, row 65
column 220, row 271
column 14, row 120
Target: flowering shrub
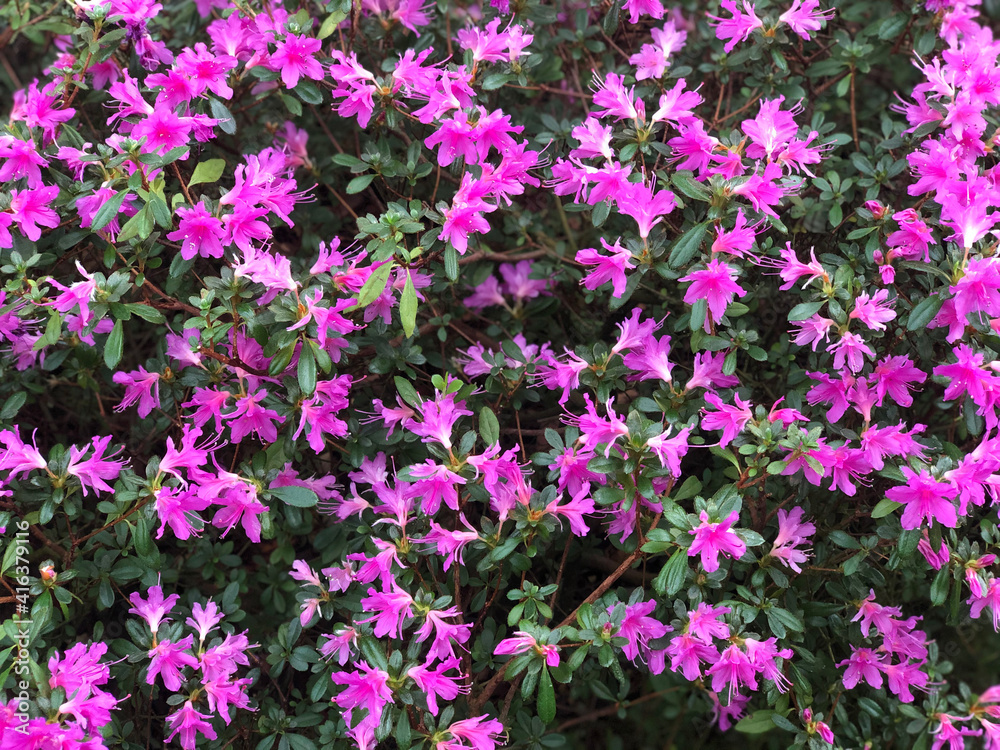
column 392, row 374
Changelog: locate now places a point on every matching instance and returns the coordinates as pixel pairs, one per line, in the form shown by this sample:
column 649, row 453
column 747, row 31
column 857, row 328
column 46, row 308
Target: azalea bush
column 507, row 374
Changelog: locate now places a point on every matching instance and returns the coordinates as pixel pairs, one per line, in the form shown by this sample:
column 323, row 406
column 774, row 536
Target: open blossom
column 792, row 532
column 522, row 642
column 714, row 538
column 730, row 419
column 926, row 499
column 805, row 16
column 737, row 28
column 716, row 284
column 608, row 268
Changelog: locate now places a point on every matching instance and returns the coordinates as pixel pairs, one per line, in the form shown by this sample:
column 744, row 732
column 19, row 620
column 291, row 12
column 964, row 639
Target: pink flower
column 638, row 8
column 522, row 642
column 712, row 538
column 607, row 269
column 154, row 609
column 926, row 499
column 446, row 634
column 873, row 311
column 479, row 732
column 199, row 232
column 792, row 532
column 436, row 684
column 716, row 284
column 30, row 209
column 295, row 57
column 730, row 419
column 140, row 386
column 19, row 457
column 250, row 416
column 671, row 450
column 167, row 661
column 738, row 240
column 188, row 722
column 852, row 349
column 863, row 664
column 98, row 468
column 738, row 28
column 638, row 629
column 595, row 429
column 733, row 669
column 804, row 17
column 391, row 609
column 368, row 688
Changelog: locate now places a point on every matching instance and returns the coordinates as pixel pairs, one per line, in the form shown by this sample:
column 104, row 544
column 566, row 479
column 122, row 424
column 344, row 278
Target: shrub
column 455, row 375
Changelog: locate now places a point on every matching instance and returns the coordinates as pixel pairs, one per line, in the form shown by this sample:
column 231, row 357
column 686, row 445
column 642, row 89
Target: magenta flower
column 670, row 450
column 688, row 653
column 607, row 269
column 154, row 609
column 436, row 684
column 850, row 349
column 250, row 416
column 792, row 532
column 295, row 57
column 716, row 284
column 140, row 386
column 199, row 232
column 522, row 642
column 730, row 419
column 19, row 457
column 733, row 669
column 638, row 628
column 738, row 28
column 96, row 470
column 391, row 609
column 804, row 16
column 864, row 664
column 167, row 661
column 926, row 499
column 711, row 539
column 874, row 311
column 189, row 723
column 30, row 210
column 368, row 688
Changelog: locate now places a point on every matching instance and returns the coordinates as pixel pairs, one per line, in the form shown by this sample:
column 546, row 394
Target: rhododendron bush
column 387, row 373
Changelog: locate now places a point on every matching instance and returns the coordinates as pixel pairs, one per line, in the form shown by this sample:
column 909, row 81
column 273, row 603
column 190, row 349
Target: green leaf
column 687, row 245
column 843, row 539
column 13, row 405
column 923, row 312
column 226, row 122
column 108, row 211
column 546, row 702
column 306, row 370
column 375, row 285
column 885, row 507
column 145, row 312
column 489, row 426
column 671, row 577
column 685, row 182
column 114, row 346
column 208, row 172
column 300, row 497
column 330, row 24
column 53, row 330
column 408, row 307
column 804, row 310
column 451, row 262
column 359, row 183
column 758, row 722
column 940, row 586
